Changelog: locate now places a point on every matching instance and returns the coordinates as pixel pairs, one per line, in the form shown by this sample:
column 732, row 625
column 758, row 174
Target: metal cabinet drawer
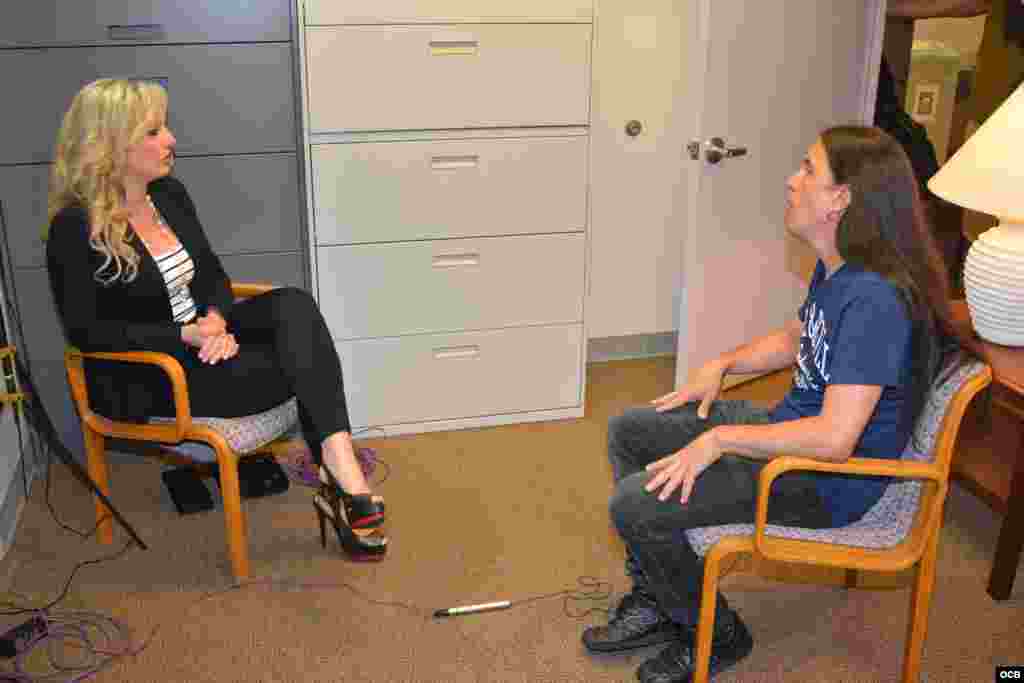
column 415, row 11
column 286, row 269
column 44, row 338
column 472, row 374
column 429, row 189
column 380, row 290
column 248, row 203
column 133, row 22
column 431, row 77
column 23, row 196
column 224, row 99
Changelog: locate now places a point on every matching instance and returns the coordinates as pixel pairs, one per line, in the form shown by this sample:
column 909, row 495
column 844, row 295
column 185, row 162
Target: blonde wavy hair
column 105, row 118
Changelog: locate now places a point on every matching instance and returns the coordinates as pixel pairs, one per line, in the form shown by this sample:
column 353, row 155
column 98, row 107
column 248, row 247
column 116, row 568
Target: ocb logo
column 1009, row 673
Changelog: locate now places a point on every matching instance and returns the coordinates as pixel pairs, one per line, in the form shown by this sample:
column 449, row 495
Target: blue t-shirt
column 855, row 331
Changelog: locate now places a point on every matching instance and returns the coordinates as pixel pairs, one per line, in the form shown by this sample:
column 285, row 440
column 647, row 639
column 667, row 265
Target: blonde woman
column 131, row 269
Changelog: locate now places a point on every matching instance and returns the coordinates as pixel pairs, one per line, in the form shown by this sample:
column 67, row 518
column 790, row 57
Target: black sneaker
column 636, row 622
column 675, row 663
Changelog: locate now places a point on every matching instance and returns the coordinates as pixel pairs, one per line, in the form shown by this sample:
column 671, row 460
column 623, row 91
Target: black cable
column 67, row 585
column 590, row 589
column 49, row 504
column 16, row 413
column 39, row 419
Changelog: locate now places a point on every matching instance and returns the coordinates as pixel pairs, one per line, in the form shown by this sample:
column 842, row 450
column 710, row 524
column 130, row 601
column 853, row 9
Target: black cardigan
column 133, row 316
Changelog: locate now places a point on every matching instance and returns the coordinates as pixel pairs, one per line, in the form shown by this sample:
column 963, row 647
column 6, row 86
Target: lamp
column 987, row 175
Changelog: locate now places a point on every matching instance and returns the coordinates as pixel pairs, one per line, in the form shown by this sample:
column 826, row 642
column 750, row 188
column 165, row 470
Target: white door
column 638, row 198
column 771, row 76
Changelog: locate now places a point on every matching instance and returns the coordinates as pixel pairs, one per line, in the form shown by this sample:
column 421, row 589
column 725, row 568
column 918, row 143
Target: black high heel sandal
column 362, row 511
column 368, row 546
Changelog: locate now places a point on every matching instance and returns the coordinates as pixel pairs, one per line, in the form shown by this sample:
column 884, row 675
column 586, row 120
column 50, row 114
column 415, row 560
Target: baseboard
column 382, row 431
column 600, row 349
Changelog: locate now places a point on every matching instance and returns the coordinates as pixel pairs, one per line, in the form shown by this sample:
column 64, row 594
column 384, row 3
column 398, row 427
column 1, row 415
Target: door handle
column 717, row 151
column 454, row 161
column 454, row 48
column 456, row 260
column 453, row 352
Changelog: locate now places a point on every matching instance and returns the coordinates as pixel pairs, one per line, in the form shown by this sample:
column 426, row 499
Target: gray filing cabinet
column 229, row 67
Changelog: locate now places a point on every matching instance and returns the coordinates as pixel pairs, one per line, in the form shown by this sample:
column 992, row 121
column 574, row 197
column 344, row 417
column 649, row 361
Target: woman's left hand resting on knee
column 681, row 469
column 705, row 387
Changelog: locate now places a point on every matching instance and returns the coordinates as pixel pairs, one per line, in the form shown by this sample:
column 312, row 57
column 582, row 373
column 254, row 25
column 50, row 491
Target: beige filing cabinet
column 447, row 154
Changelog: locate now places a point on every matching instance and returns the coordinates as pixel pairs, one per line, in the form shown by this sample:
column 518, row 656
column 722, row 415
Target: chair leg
column 920, row 602
column 96, row 459
column 706, row 621
column 851, row 578
column 234, row 515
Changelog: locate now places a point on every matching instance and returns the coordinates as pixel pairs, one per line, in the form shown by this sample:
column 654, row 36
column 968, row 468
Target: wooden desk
column 989, row 458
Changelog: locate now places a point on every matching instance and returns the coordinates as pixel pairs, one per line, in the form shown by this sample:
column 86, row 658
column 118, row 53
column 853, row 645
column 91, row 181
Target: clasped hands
column 209, row 333
column 681, row 469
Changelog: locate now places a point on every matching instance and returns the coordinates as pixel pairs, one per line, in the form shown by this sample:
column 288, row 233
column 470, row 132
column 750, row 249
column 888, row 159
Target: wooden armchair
column 229, row 438
column 900, row 531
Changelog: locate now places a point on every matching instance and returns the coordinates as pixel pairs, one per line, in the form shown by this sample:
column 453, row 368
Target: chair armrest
column 864, row 466
column 245, row 290
column 172, row 368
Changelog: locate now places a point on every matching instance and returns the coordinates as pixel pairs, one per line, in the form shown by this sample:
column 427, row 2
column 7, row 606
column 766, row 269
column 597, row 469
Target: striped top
column 177, row 268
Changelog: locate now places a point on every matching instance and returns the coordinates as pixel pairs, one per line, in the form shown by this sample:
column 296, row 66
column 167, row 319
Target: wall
column 963, row 35
column 944, row 48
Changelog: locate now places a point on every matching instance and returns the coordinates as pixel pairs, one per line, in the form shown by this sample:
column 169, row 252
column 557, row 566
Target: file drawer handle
column 454, row 48
column 456, row 260
column 452, row 162
column 136, row 31
column 452, row 352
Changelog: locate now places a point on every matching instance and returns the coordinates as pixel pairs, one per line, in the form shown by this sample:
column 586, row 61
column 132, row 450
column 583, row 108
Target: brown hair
column 885, row 230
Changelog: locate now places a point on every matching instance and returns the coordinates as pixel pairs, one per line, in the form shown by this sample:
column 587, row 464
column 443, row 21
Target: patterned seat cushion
column 887, row 523
column 243, row 434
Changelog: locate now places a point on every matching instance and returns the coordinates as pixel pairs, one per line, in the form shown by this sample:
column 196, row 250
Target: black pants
column 285, row 350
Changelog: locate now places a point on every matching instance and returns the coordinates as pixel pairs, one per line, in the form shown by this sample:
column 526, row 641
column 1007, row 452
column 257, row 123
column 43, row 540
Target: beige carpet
column 475, row 516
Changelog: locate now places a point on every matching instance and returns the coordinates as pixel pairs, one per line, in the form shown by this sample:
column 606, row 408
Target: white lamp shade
column 987, row 175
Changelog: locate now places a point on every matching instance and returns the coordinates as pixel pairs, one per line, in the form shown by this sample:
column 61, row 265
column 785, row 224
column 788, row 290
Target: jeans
column 659, row 558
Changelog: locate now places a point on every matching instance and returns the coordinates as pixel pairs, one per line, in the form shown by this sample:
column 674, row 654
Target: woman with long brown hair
column 866, row 344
